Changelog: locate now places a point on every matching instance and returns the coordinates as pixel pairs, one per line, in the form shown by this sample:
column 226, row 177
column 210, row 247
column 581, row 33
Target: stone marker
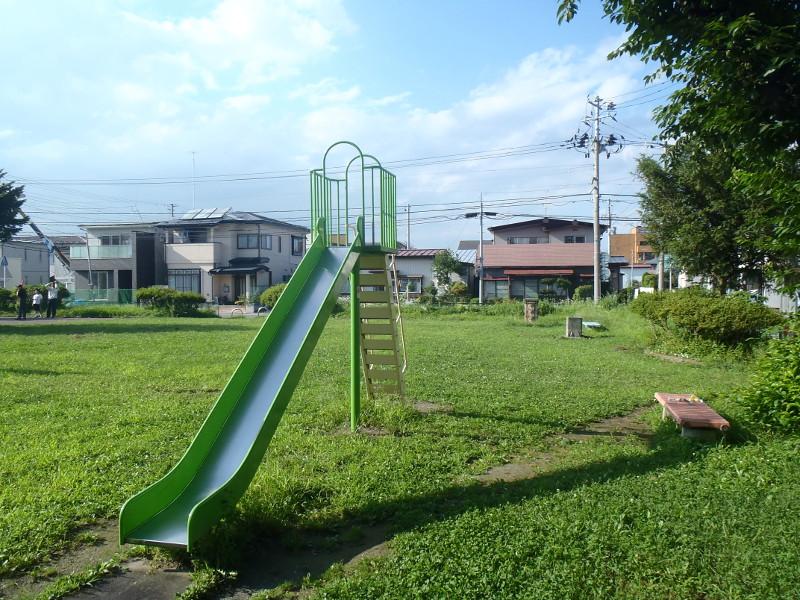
column 574, row 327
column 531, row 309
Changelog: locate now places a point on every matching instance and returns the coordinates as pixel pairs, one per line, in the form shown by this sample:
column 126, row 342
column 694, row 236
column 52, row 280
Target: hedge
column 167, row 301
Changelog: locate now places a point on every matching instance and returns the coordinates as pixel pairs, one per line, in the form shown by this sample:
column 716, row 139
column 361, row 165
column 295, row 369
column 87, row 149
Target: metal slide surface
column 225, row 454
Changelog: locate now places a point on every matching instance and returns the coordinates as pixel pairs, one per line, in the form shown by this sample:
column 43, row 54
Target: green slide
column 217, row 468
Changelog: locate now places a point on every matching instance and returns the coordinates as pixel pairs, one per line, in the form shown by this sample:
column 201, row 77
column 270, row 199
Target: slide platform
column 223, row 458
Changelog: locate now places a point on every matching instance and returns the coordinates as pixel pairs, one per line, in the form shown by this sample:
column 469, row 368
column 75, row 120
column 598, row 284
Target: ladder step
column 381, row 359
column 387, row 389
column 378, row 344
column 382, row 374
column 382, row 297
column 372, row 261
column 372, row 279
column 375, row 312
column 377, row 329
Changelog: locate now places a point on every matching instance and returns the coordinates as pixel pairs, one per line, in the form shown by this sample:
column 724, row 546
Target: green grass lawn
column 94, row 411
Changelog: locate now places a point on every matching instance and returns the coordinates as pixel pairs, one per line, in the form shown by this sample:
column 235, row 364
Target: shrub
column 269, row 297
column 726, row 320
column 649, row 280
column 7, row 299
column 773, row 397
column 458, row 289
column 583, row 292
column 108, row 311
column 166, row 301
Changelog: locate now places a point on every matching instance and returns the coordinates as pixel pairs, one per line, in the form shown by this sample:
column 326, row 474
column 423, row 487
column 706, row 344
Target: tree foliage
column 11, row 199
column 445, row 264
column 738, row 62
column 693, row 213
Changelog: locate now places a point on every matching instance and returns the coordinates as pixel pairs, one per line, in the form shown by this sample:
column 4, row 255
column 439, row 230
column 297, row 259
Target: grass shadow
column 247, row 543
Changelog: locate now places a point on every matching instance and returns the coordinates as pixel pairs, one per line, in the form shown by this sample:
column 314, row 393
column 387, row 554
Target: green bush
column 726, row 320
column 773, row 398
column 104, row 311
column 7, row 299
column 269, row 297
column 166, row 301
column 583, row 292
column 649, row 280
column 458, row 289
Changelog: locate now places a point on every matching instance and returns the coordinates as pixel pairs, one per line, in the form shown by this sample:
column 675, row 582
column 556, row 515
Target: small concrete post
column 531, row 309
column 574, row 327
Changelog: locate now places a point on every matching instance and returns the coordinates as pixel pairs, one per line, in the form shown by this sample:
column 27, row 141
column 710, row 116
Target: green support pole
column 355, row 351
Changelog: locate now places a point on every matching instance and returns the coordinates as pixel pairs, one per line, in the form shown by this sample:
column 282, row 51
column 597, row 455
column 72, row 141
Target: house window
column 279, row 245
column 495, row 289
column 184, row 280
column 297, row 245
column 574, row 239
column 101, row 280
column 266, row 241
column 247, row 240
column 190, row 236
column 528, row 240
column 411, row 285
column 122, row 239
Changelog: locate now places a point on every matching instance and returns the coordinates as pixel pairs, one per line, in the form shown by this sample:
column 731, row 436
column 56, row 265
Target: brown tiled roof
column 538, row 255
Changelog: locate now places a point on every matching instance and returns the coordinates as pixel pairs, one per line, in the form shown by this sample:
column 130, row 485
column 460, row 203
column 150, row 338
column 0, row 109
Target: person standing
column 52, row 299
column 22, row 302
column 37, row 304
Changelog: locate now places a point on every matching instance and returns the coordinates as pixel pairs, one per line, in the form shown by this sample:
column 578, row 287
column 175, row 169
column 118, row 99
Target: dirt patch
column 139, row 579
column 311, row 555
column 528, row 467
column 95, row 544
column 684, row 360
column 432, row 407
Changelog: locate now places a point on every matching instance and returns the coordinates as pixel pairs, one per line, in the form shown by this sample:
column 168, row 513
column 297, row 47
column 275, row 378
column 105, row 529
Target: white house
column 23, row 262
column 225, row 254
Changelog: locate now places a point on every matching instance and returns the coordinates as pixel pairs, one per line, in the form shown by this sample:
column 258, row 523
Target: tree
column 11, row 199
column 739, row 65
column 445, row 264
column 693, row 212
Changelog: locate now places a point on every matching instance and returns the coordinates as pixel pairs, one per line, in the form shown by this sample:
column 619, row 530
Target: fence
column 101, row 296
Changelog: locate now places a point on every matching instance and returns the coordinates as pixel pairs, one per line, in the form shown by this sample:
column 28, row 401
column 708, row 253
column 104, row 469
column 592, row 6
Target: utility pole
column 480, row 246
column 480, row 215
column 408, row 226
column 598, row 144
column 172, row 209
column 596, row 198
column 194, row 186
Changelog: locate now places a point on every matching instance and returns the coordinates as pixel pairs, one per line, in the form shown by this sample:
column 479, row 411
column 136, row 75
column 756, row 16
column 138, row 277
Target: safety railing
column 361, row 188
column 399, row 319
column 101, row 296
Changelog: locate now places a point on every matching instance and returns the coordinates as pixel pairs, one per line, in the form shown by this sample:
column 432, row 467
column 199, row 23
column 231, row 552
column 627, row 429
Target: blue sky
column 128, row 89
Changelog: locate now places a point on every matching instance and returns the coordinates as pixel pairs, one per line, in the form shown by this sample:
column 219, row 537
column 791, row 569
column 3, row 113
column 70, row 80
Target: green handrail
column 341, row 214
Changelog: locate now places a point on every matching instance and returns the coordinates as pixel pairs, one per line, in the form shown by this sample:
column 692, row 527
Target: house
column 542, row 257
column 116, row 258
column 415, row 269
column 23, row 261
column 226, row 254
column 636, row 250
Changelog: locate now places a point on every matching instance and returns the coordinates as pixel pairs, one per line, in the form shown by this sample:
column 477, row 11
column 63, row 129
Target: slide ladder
column 382, row 343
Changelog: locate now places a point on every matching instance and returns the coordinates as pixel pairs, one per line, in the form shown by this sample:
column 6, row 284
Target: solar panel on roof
column 191, row 214
column 204, row 213
column 219, row 212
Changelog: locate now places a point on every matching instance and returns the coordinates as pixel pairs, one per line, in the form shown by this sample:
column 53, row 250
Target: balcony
column 100, row 252
column 201, row 253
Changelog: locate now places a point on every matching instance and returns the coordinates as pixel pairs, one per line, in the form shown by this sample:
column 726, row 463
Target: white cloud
column 132, row 92
column 388, row 100
column 256, row 41
column 326, row 91
column 6, row 133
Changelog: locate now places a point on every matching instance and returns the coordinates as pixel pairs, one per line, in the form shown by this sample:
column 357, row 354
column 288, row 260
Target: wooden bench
column 696, row 418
